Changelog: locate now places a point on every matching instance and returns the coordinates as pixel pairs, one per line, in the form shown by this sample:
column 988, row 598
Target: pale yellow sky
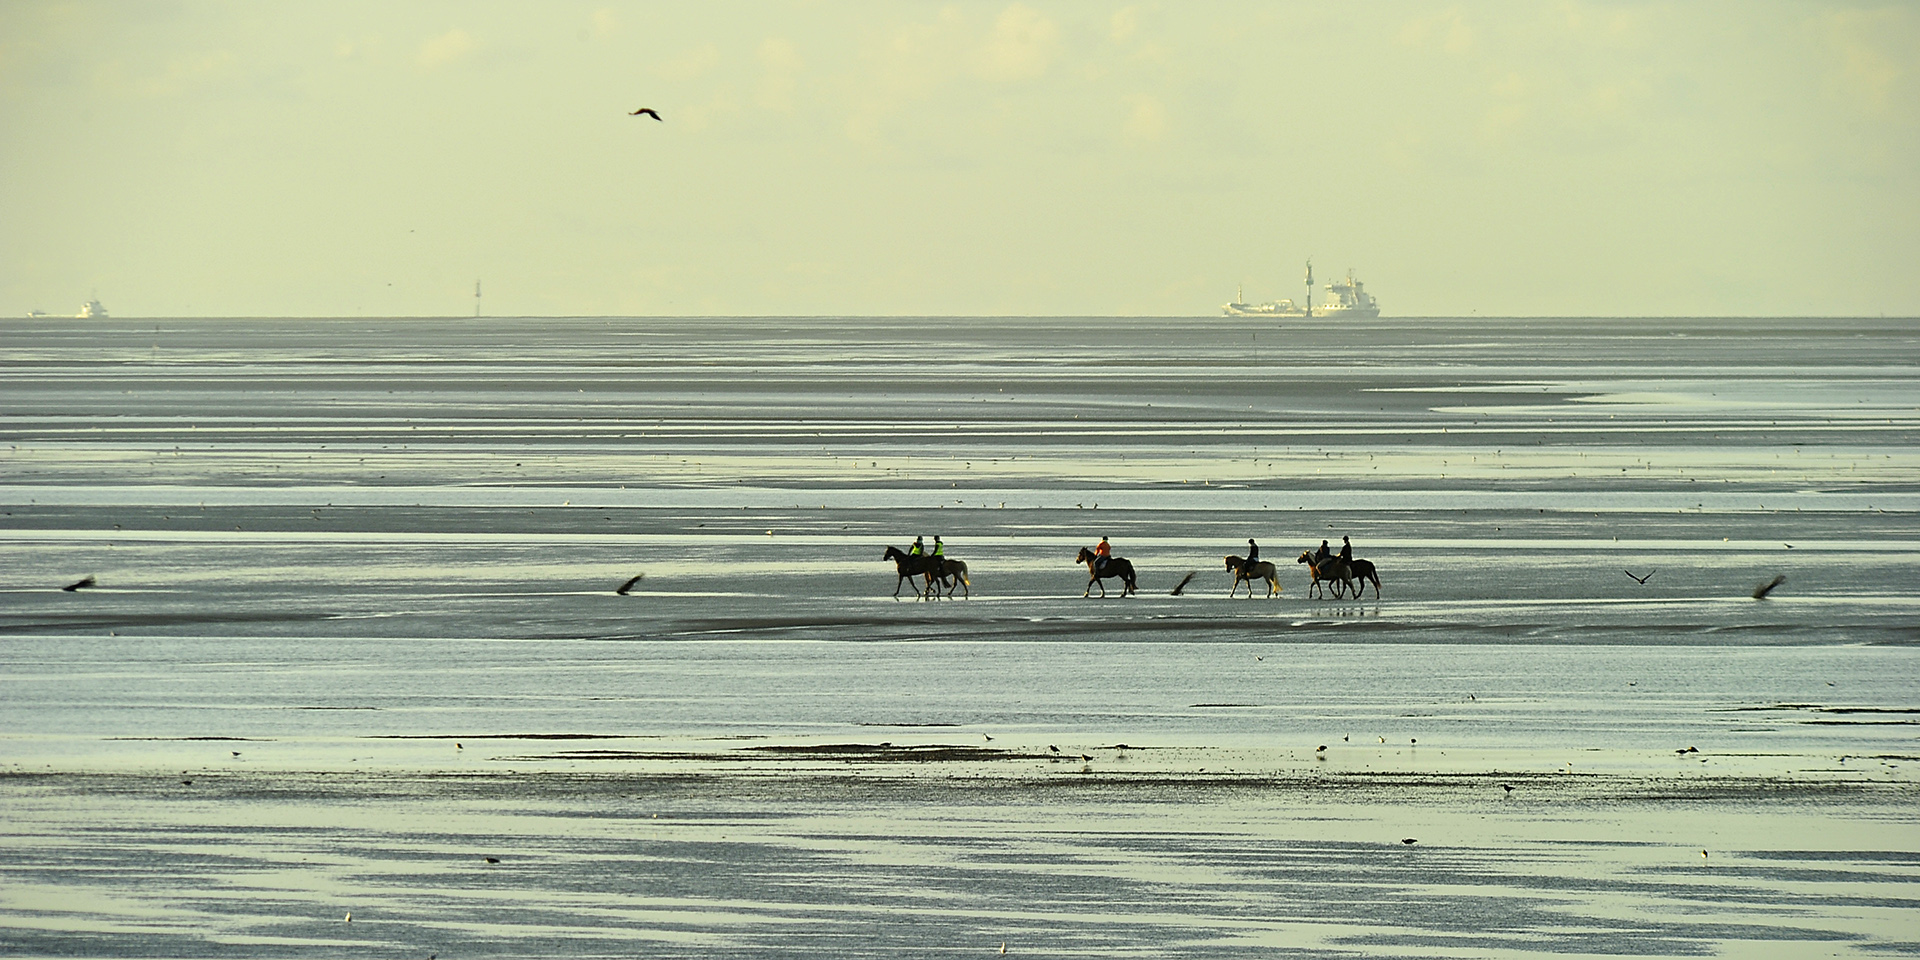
column 1527, row 158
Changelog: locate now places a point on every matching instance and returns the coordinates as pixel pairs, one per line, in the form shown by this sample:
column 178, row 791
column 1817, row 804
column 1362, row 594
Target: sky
column 347, row 158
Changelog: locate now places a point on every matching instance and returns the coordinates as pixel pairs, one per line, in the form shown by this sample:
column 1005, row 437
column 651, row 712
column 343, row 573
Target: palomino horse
column 1363, row 572
column 1116, row 567
column 1328, row 570
column 908, row 568
column 1262, row 570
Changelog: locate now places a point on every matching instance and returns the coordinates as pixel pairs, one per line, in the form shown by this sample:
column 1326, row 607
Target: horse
column 908, row 568
column 1262, row 570
column 1116, row 567
column 956, row 569
column 1330, row 570
column 1362, row 573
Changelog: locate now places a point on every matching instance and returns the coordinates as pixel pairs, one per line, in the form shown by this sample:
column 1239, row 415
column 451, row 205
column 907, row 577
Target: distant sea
column 335, row 547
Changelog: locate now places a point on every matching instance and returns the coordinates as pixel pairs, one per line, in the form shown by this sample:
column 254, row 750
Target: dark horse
column 908, row 568
column 1327, row 570
column 1262, row 570
column 1363, row 572
column 1116, row 567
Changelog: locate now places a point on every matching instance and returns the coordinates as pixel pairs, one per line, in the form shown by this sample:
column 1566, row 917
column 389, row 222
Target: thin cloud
column 1021, row 47
column 448, row 48
column 781, row 61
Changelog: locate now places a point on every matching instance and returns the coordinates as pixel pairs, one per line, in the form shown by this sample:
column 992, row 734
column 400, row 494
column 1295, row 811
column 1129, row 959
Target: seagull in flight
column 1641, row 579
column 649, row 111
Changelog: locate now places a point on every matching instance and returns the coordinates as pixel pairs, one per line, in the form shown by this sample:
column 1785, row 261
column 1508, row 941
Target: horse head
column 1306, row 557
column 893, row 553
column 1233, row 562
column 1084, row 556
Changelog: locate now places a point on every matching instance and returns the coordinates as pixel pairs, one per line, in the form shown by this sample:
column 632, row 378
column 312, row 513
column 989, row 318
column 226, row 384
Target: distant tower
column 476, row 298
column 1309, row 286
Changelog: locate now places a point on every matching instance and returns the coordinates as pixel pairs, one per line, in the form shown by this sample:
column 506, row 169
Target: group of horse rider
column 1104, row 552
column 1103, row 555
column 1324, row 553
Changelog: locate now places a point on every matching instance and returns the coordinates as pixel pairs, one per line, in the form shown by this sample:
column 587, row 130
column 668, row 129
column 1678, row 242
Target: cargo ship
column 1345, row 299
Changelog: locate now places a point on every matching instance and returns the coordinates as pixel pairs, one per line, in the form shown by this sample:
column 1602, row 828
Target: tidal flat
column 352, row 646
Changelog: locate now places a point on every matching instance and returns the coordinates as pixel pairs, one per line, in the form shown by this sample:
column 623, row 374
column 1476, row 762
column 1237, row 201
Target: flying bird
column 85, row 582
column 1644, row 579
column 649, row 111
column 1760, row 592
column 623, row 588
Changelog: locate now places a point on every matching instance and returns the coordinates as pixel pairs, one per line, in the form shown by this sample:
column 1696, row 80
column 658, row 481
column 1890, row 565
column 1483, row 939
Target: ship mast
column 1309, row 288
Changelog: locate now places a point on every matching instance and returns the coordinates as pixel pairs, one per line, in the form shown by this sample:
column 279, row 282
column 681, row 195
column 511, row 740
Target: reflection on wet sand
column 944, row 857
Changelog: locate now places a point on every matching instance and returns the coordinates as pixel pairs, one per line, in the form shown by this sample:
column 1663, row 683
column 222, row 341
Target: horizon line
column 966, row 316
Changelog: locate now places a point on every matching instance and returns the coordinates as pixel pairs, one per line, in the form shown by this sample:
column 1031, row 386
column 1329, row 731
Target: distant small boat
column 1345, row 298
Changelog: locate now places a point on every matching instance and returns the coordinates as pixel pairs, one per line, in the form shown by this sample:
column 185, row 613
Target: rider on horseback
column 939, row 558
column 1346, row 550
column 1253, row 557
column 919, row 547
column 1321, row 555
column 1101, row 554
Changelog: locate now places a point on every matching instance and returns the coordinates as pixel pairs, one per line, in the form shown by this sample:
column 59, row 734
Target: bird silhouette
column 84, row 582
column 1640, row 579
column 1760, row 592
column 649, row 111
column 623, row 588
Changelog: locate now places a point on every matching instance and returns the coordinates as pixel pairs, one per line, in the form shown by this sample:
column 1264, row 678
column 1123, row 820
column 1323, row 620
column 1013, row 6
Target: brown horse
column 1327, row 570
column 1116, row 567
column 1262, row 570
column 945, row 569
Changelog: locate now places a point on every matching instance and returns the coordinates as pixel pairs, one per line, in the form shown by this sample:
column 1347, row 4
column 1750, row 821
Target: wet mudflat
column 353, row 630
